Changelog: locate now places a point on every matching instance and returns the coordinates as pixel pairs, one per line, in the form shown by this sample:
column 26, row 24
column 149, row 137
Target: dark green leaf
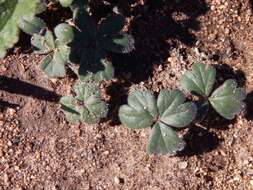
column 173, row 111
column 70, row 110
column 200, row 80
column 49, row 39
column 141, row 110
column 32, row 26
column 227, row 100
column 53, row 66
column 64, row 33
column 164, row 140
column 94, row 108
column 39, row 42
column 111, row 25
column 120, row 43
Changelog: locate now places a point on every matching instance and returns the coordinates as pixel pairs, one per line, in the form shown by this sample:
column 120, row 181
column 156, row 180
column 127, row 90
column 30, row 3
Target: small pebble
column 182, row 165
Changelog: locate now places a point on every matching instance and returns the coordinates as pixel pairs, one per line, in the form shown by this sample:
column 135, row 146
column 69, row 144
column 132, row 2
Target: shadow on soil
column 249, row 103
column 23, row 88
column 199, row 140
column 157, row 27
column 4, row 104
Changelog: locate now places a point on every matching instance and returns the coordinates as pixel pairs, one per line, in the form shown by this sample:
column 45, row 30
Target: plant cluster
column 169, row 110
column 81, row 44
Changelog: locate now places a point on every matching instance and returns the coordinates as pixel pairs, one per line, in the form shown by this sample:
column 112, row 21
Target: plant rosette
column 168, row 112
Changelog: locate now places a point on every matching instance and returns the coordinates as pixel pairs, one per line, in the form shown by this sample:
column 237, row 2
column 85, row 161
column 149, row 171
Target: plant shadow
column 249, row 103
column 157, row 27
column 199, row 140
column 5, row 104
column 16, row 86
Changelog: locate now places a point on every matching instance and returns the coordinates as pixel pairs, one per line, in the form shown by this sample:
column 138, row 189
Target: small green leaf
column 53, row 66
column 200, row 80
column 57, row 54
column 65, row 3
column 32, row 26
column 94, row 108
column 49, row 39
column 64, row 33
column 141, row 110
column 106, row 74
column 173, row 111
column 39, row 43
column 227, row 100
column 69, row 108
column 120, row 43
column 164, row 140
column 111, row 25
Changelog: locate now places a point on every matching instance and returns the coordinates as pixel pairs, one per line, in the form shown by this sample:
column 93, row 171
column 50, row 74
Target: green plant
column 227, row 99
column 86, row 106
column 167, row 112
column 91, row 42
column 11, row 12
column 56, row 50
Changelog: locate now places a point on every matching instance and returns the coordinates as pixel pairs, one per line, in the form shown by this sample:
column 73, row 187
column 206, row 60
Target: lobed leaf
column 94, row 108
column 64, row 33
column 69, row 108
column 141, row 110
column 227, row 100
column 164, row 140
column 32, row 26
column 200, row 80
column 173, row 111
column 53, row 65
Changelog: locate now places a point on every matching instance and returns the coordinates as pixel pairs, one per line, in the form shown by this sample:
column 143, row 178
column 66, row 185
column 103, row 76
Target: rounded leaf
column 70, row 109
column 94, row 108
column 32, row 26
column 200, row 80
column 173, row 111
column 141, row 110
column 164, row 140
column 65, row 3
column 64, row 33
column 227, row 100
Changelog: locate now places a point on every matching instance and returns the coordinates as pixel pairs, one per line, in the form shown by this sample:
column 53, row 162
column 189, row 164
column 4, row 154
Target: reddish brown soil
column 40, row 150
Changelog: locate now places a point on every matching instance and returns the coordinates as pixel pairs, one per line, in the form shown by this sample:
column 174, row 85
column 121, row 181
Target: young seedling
column 162, row 115
column 10, row 14
column 227, row 99
column 56, row 50
column 91, row 42
column 86, row 106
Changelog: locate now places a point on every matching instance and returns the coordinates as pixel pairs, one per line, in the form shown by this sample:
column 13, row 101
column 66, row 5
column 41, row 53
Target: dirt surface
column 40, row 150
